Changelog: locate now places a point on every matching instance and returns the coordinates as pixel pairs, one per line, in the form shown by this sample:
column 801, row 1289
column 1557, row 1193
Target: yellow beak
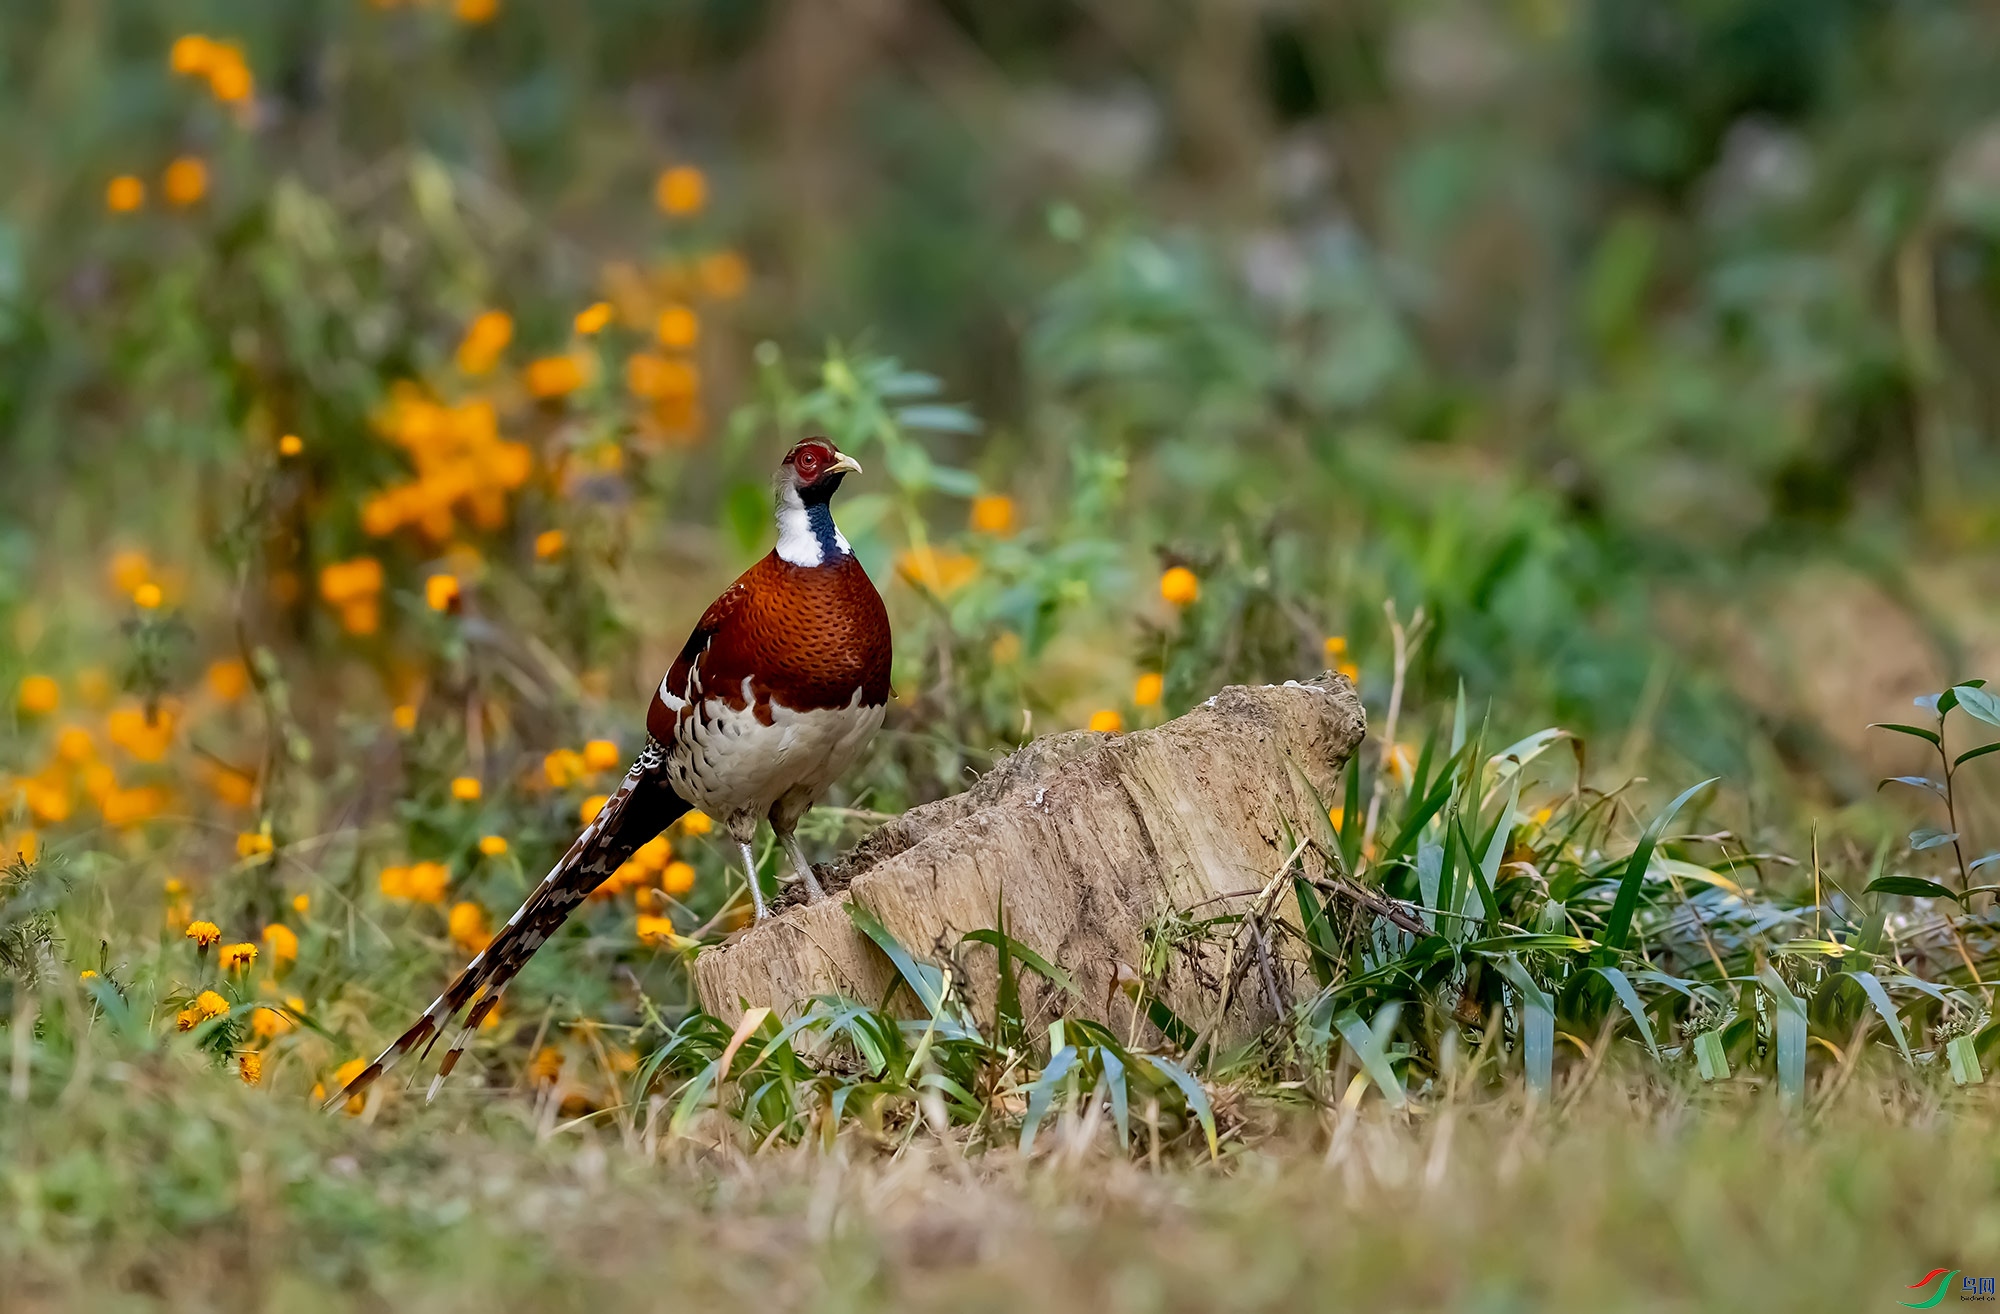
column 843, row 464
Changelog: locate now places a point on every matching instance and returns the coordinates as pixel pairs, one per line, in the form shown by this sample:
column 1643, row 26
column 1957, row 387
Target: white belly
column 734, row 767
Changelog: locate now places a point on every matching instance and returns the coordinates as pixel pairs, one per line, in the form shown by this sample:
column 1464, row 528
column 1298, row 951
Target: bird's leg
column 794, row 851
column 750, row 870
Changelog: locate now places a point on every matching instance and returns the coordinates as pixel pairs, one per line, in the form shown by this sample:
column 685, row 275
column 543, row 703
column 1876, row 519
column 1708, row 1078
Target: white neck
column 799, row 542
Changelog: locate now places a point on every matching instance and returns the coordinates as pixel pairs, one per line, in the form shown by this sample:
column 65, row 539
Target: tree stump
column 1108, row 851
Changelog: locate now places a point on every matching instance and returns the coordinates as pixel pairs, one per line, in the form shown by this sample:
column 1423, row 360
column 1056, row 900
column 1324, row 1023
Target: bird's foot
column 756, row 890
column 802, row 867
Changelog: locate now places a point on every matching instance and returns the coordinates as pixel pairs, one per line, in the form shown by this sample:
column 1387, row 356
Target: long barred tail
column 643, row 806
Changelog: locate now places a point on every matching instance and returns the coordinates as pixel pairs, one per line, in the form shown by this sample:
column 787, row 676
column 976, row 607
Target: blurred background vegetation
column 386, row 386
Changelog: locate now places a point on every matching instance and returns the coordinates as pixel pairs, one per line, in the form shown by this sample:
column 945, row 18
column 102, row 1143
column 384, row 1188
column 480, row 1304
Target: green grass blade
column 1043, row 1093
column 1618, row 927
column 1367, row 1044
column 1871, row 985
column 1621, row 985
column 925, row 982
column 1191, row 1091
column 1789, row 1021
column 1538, row 1024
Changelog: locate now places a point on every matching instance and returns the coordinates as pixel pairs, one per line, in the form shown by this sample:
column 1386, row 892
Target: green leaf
column 1872, row 986
column 1978, row 703
column 1789, row 1021
column 1043, row 1093
column 1971, row 753
column 938, row 419
column 1538, row 1024
column 1114, row 1081
column 1007, row 944
column 1918, row 782
column 1910, row 887
column 1191, row 1091
column 1368, row 1043
column 1929, row 736
column 1963, row 1054
column 746, row 508
column 925, row 981
column 1930, row 837
column 1619, row 925
column 1621, row 985
column 1711, row 1057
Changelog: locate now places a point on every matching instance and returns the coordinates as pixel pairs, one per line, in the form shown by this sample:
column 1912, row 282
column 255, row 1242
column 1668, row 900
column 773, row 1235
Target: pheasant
column 774, row 696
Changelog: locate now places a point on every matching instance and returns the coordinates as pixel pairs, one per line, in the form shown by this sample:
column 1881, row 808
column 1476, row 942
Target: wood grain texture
column 1091, row 838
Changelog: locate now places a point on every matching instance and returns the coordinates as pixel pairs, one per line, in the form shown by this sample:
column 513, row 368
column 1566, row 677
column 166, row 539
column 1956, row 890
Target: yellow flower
column 467, row 923
column 465, row 789
column 145, row 738
column 993, row 513
column 601, row 755
column 1336, row 648
column 343, row 1074
column 236, row 956
column 284, row 942
column 656, row 378
column 394, row 882
column 227, row 678
column 203, row 934
column 653, row 854
column 1403, row 763
column 593, row 318
column 175, row 885
column 655, row 931
column 681, row 190
column 678, row 878
column 124, row 194
column 549, row 543
column 404, row 717
column 475, row 11
column 1338, row 817
column 493, row 846
column 129, row 807
column 129, row 569
column 361, row 617
column 27, row 846
column 191, row 55
column 546, row 1066
column 484, row 340
column 250, row 1067
column 209, row 1004
column 563, row 768
column 349, row 581
column 87, row 974
column 1146, row 690
column 228, row 75
column 1107, row 720
column 186, row 1019
column 185, row 181
column 696, row 823
column 554, row 376
column 301, row 903
column 1179, row 586
column 678, row 328
column 253, row 844
column 723, row 274
column 147, row 596
column 592, row 806
column 267, row 1022
column 441, row 591
column 49, row 801
column 291, row 445
column 427, row 883
column 940, row 570
column 38, row 696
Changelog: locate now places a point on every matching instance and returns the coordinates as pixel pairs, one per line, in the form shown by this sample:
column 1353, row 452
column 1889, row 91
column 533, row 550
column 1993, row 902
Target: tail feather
column 643, row 806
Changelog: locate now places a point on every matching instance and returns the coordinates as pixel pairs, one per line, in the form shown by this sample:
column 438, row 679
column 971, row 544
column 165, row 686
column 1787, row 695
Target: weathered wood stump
column 1096, row 842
